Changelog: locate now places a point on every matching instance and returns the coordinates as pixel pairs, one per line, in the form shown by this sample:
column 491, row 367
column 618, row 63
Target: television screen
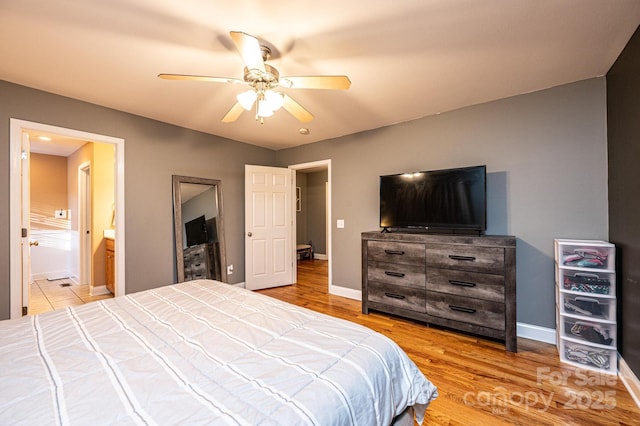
column 196, row 231
column 451, row 199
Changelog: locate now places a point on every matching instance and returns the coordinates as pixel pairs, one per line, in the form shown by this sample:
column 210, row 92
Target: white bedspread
column 201, row 352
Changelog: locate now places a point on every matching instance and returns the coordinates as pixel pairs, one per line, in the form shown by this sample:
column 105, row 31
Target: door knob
column 249, row 234
column 33, row 243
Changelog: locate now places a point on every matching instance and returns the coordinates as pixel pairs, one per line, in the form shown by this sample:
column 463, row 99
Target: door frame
column 16, row 128
column 84, row 223
column 25, row 205
column 321, row 164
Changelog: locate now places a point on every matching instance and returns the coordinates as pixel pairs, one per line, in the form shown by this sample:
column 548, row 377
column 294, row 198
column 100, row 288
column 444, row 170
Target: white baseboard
column 241, row 285
column 319, row 256
column 630, row 380
column 535, row 332
column 98, row 290
column 346, row 292
column 57, row 277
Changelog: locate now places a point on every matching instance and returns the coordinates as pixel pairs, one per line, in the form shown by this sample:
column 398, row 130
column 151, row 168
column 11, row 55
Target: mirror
column 199, row 229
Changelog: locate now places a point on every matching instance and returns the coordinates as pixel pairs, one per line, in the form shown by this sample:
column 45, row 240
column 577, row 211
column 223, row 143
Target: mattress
column 202, row 352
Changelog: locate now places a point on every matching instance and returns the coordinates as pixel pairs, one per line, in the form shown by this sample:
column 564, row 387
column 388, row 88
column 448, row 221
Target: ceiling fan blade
column 333, row 82
column 296, row 110
column 233, row 113
column 249, row 48
column 200, row 78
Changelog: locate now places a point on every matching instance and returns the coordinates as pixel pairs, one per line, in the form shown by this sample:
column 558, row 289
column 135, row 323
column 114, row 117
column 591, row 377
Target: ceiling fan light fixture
column 246, row 99
column 264, row 109
column 262, row 78
column 275, row 100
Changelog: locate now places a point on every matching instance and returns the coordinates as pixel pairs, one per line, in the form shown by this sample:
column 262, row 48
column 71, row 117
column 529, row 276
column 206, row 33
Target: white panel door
column 269, row 251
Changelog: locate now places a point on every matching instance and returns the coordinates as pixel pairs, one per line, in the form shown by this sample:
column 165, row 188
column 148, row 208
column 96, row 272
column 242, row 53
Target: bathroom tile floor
column 50, row 295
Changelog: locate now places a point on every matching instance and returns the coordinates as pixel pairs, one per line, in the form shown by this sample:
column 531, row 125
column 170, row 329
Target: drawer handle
column 394, row 296
column 587, row 299
column 466, row 258
column 398, row 252
column 462, row 309
column 462, row 283
column 394, row 274
column 197, row 264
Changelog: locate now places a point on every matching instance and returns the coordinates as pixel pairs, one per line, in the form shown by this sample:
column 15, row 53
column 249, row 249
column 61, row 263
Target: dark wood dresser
column 462, row 282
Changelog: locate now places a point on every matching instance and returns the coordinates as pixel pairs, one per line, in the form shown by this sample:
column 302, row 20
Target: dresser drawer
column 397, row 274
column 484, row 313
column 408, row 298
column 196, row 263
column 196, row 253
column 468, row 284
column 395, row 252
column 466, row 258
column 199, row 268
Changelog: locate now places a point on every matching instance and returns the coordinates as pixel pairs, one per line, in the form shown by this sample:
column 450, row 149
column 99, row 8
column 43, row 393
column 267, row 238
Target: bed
column 203, row 352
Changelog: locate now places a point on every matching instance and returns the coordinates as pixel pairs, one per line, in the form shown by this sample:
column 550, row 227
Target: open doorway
column 56, row 227
column 313, row 216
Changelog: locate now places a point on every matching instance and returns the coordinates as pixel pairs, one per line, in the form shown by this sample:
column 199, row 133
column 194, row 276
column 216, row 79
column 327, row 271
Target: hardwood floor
column 479, row 383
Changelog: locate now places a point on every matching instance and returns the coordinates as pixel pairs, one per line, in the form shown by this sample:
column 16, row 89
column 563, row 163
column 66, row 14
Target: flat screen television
column 447, row 201
column 196, row 231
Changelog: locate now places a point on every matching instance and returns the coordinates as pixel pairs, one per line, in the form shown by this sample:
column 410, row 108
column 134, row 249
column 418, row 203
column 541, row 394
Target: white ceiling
column 52, row 144
column 406, row 59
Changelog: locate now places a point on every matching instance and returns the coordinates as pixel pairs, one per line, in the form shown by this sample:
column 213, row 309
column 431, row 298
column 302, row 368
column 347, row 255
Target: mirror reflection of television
column 196, row 231
column 438, row 200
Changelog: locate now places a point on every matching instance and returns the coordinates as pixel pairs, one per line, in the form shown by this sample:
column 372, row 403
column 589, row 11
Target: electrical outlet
column 60, row 214
column 230, row 270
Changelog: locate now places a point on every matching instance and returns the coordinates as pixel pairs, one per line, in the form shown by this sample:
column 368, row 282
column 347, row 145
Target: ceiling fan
column 263, row 79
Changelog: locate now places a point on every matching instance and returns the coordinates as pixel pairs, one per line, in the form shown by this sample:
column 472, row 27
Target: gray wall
column 317, row 210
column 545, row 154
column 154, row 151
column 301, row 216
column 311, row 221
column 623, row 100
column 546, row 157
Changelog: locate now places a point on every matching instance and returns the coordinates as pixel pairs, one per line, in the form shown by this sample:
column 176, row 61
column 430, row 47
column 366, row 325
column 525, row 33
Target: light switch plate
column 340, row 223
